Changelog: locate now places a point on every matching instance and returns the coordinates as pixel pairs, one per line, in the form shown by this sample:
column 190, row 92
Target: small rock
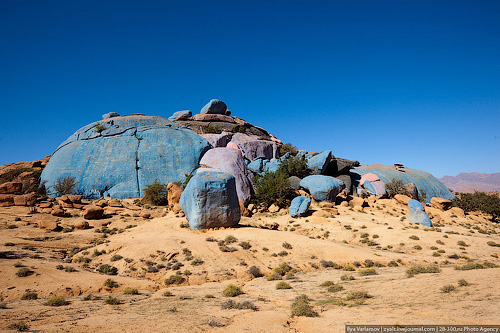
column 65, row 204
column 402, row 199
column 440, row 203
column 115, row 203
column 299, row 206
column 457, row 211
column 358, row 201
column 215, row 106
column 45, row 204
column 273, row 208
column 244, row 210
column 294, row 182
column 78, row 206
column 174, row 195
column 251, row 207
column 417, row 213
column 64, row 198
column 110, row 115
column 75, row 198
column 344, row 204
column 325, row 204
column 57, row 211
column 180, row 115
column 93, row 212
column 145, row 215
column 177, row 208
column 48, row 224
column 11, row 188
column 82, row 225
column 24, row 199
column 322, row 213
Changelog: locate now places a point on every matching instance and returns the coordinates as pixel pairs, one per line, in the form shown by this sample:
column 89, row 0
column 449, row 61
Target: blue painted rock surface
column 376, row 188
column 122, row 155
column 257, row 165
column 231, row 161
column 319, row 163
column 110, row 115
column 180, row 115
column 299, row 206
column 322, row 188
column 210, row 200
column 215, row 106
column 423, row 180
column 417, row 213
column 272, row 166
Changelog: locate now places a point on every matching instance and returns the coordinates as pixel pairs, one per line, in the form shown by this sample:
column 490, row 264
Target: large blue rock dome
column 120, row 155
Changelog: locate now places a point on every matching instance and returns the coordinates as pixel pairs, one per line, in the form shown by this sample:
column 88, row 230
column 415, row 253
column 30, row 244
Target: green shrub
column 197, row 262
column 245, row 245
column 417, row 269
column 255, row 271
column 108, row 270
column 287, row 246
column 274, row 276
column 463, row 283
column 131, row 291
column 156, row 193
column 301, row 307
column 112, row 300
column 327, row 284
column 283, row 268
column 475, row 265
column 395, row 186
column 294, row 166
column 357, row 295
column 283, row 285
column 65, row 185
column 288, row 148
column 212, row 130
column 57, row 301
column 347, row 277
column 272, row 188
column 23, row 272
column 479, row 201
column 232, row 291
column 230, row 304
column 116, row 257
column 174, row 279
column 20, row 326
column 335, row 288
column 109, row 283
column 367, row 271
column 447, row 288
column 29, row 296
column 230, row 239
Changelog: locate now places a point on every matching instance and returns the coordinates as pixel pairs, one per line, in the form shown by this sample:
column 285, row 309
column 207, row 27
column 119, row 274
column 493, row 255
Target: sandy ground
column 148, row 251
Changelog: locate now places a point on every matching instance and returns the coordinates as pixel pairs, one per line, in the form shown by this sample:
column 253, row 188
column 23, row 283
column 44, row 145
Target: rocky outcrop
column 299, row 206
column 215, row 106
column 440, row 203
column 210, row 200
column 231, row 161
column 417, row 213
column 121, row 155
column 11, row 188
column 322, row 188
column 253, row 147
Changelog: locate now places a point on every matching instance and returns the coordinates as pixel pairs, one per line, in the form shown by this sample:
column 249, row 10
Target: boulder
column 121, row 155
column 115, row 203
column 174, row 195
column 322, row 188
column 294, row 182
column 402, row 199
column 417, row 213
column 11, row 188
column 145, row 214
column 325, row 204
column 44, row 222
column 45, row 204
column 75, row 198
column 230, row 161
column 272, row 166
column 110, row 115
column 177, row 208
column 332, row 211
column 440, row 203
column 215, row 106
column 24, row 199
column 66, row 204
column 81, row 225
column 457, row 211
column 299, row 206
column 412, row 190
column 358, row 201
column 180, row 115
column 58, row 211
column 210, row 200
column 322, row 213
column 218, row 140
column 340, row 166
column 273, row 208
column 319, row 163
column 346, row 179
column 253, row 146
column 214, row 117
column 244, row 211
column 93, row 212
column 6, row 200
column 257, row 165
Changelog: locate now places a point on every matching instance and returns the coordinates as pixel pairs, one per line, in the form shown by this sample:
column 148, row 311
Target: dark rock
column 294, row 182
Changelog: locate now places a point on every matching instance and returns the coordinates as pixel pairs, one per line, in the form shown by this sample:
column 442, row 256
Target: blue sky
column 414, row 82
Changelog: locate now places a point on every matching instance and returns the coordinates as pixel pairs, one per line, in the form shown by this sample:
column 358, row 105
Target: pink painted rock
column 252, row 147
column 214, row 117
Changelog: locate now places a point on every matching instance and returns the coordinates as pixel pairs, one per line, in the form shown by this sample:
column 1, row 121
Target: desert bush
column 301, row 307
column 23, row 272
column 417, row 269
column 287, row 246
column 414, row 237
column 328, row 264
column 255, row 271
column 214, row 322
column 283, row 285
column 283, row 268
column 357, row 295
column 367, row 271
column 57, row 301
column 486, row 203
column 65, row 185
column 29, row 296
column 294, row 166
column 156, row 193
column 232, row 291
column 116, row 257
column 109, row 283
column 475, row 265
column 463, row 283
column 69, row 269
column 99, row 128
column 230, row 304
column 112, row 300
column 212, row 130
column 197, row 262
column 272, row 188
column 167, row 293
column 288, row 148
column 20, row 326
column 274, row 276
column 245, row 245
column 447, row 288
column 230, row 239
column 108, row 270
column 347, row 277
column 174, row 279
column 131, row 291
column 328, row 283
column 395, row 186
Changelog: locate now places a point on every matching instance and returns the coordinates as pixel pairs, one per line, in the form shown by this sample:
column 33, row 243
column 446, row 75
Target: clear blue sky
column 415, row 82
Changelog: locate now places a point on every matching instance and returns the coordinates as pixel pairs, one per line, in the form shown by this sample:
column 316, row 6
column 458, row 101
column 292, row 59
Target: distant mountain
column 469, row 182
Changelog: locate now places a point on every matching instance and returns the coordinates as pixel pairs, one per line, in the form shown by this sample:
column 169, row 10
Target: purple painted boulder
column 218, row 140
column 253, row 147
column 230, row 161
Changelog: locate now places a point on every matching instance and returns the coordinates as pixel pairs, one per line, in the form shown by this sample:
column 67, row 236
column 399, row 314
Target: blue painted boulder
column 322, row 188
column 210, row 200
column 110, row 115
column 215, row 106
column 180, row 115
column 257, row 165
column 121, row 155
column 319, row 163
column 272, row 166
column 299, row 206
column 231, row 161
column 417, row 213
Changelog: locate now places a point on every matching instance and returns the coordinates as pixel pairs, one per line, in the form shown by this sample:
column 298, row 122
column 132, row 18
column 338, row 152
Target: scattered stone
column 177, row 208
column 58, row 211
column 417, row 213
column 75, row 198
column 81, row 225
column 210, row 200
column 273, row 208
column 145, row 215
column 322, row 213
column 45, row 204
column 115, row 203
column 347, row 181
column 11, row 188
column 244, row 211
column 174, row 195
column 24, row 199
column 326, row 204
column 299, row 206
column 78, row 206
column 214, row 117
column 440, row 203
column 358, row 201
column 66, row 204
column 215, row 106
column 48, row 223
column 93, row 212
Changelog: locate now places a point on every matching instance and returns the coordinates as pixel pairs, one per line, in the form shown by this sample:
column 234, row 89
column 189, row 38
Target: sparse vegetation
column 109, row 283
column 29, row 296
column 174, row 279
column 417, row 269
column 230, row 304
column 395, row 186
column 287, row 246
column 463, row 283
column 283, row 285
column 111, row 300
column 255, row 271
column 245, row 245
column 447, row 288
column 20, row 326
column 367, row 271
column 23, row 272
column 232, row 291
column 57, row 301
column 156, row 193
column 65, row 185
column 131, row 291
column 475, row 265
column 301, row 307
column 347, row 277
column 357, row 295
column 479, row 201
column 107, row 269
column 272, row 188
